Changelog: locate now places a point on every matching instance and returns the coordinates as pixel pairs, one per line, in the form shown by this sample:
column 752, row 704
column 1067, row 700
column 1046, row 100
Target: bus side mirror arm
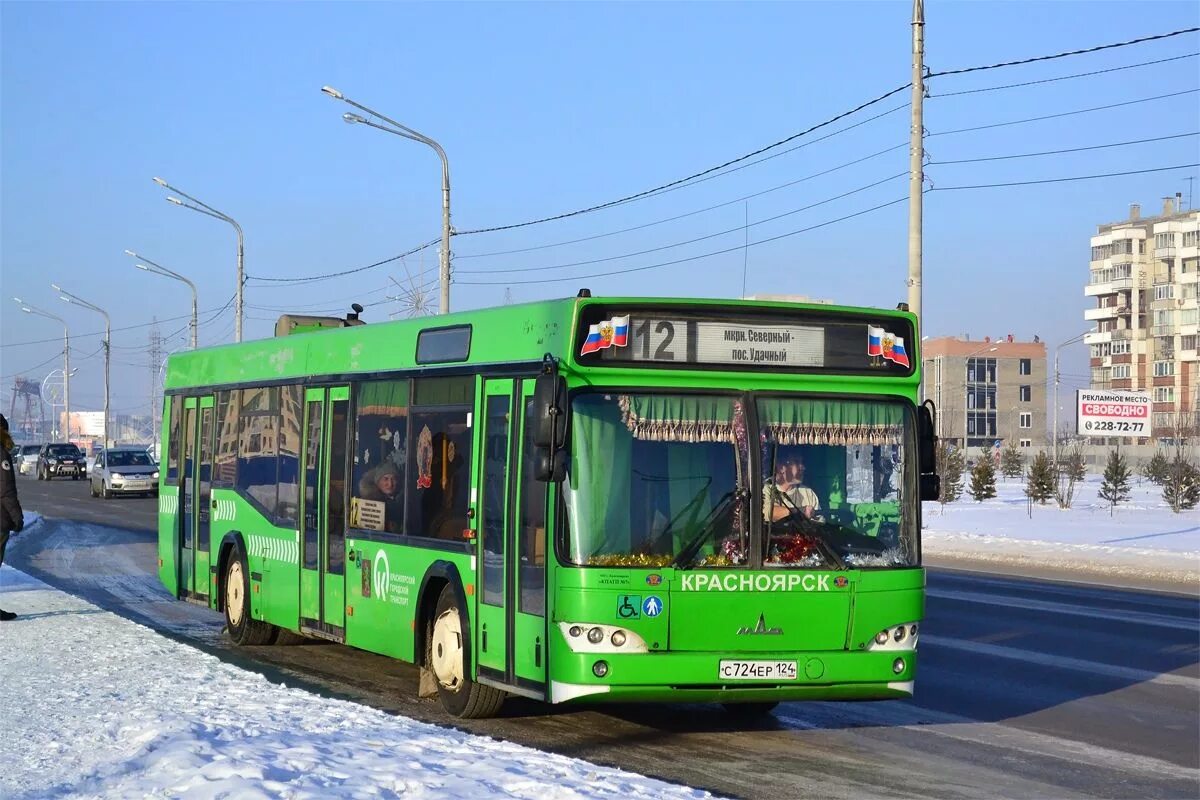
column 551, row 417
column 930, row 482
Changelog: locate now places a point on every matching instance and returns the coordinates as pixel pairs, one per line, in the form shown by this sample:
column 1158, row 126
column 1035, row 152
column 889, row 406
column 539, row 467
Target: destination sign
column 709, row 342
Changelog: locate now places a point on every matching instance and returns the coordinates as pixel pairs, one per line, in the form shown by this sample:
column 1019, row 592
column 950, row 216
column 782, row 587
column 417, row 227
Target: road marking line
column 1065, row 662
column 1135, row 617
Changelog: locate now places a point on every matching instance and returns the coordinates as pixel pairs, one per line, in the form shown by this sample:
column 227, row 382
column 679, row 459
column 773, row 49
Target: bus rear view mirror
column 931, row 486
column 550, row 411
column 550, row 466
column 926, row 438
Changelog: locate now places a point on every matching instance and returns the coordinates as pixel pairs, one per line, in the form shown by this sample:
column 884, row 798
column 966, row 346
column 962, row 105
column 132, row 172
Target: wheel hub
column 235, row 600
column 446, row 650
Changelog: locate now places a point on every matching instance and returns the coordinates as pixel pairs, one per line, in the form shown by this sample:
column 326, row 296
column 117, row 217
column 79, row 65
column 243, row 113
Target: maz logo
column 760, row 629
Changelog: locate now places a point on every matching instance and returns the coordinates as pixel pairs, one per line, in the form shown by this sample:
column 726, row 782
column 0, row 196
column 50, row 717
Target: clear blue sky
column 545, row 108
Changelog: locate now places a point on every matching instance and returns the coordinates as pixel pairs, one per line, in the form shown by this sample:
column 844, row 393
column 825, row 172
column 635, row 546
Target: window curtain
column 383, row 398
column 599, row 496
column 789, row 421
column 659, row 418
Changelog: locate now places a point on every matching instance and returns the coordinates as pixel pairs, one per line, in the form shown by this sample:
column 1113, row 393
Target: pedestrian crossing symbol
column 652, row 606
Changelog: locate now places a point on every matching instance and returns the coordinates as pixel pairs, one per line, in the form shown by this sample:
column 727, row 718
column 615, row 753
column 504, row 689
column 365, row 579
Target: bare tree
column 1071, row 470
column 1181, row 482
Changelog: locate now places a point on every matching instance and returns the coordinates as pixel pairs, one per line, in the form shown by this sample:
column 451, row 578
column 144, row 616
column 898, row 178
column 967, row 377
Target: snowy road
column 1027, row 688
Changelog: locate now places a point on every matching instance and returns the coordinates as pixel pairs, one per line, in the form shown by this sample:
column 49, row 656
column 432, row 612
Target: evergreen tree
column 1115, row 488
column 1011, row 462
column 1181, row 486
column 1074, row 465
column 950, row 468
column 1155, row 469
column 1039, row 483
column 983, row 477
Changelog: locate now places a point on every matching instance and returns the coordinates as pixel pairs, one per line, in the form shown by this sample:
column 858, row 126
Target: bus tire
column 750, row 710
column 235, row 586
column 460, row 696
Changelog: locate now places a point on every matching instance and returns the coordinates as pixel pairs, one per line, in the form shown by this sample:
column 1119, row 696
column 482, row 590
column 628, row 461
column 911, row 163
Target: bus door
column 323, row 511
column 195, row 488
column 511, row 616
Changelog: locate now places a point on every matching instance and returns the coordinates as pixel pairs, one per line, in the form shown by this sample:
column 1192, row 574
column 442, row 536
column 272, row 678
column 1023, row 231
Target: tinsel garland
column 630, row 560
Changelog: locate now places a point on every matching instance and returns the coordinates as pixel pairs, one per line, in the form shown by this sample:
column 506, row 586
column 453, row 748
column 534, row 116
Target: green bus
column 577, row 500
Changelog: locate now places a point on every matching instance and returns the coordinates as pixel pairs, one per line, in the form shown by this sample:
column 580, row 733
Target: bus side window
column 532, row 531
column 380, row 457
column 176, row 437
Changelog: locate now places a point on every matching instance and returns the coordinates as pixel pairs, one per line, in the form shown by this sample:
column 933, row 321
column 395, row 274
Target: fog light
column 898, row 666
column 575, row 630
column 881, row 637
column 596, row 635
column 618, row 638
column 600, row 669
column 899, row 634
column 912, row 631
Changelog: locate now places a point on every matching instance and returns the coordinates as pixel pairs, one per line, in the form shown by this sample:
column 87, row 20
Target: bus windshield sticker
column 605, row 334
column 629, row 606
column 425, row 458
column 886, row 345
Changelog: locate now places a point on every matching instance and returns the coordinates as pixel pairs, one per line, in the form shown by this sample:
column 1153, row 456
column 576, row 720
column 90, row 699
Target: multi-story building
column 1144, row 278
column 987, row 391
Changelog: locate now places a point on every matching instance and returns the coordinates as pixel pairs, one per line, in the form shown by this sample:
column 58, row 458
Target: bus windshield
column 665, row 480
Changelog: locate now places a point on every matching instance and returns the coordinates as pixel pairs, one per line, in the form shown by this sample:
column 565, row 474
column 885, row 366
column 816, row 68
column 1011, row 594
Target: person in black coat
column 12, row 519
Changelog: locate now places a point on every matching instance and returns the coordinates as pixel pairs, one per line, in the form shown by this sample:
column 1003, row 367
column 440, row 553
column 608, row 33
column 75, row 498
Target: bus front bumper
column 696, row 677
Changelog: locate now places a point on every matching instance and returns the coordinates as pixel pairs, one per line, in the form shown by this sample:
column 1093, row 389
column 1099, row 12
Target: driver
column 786, row 493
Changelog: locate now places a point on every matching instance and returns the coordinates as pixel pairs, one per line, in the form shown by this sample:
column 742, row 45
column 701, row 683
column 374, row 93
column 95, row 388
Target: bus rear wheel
column 243, row 629
column 444, row 656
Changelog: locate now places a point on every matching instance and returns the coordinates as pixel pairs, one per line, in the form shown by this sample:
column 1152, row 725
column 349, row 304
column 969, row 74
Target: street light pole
column 159, row 269
column 409, row 133
column 916, row 156
column 29, row 309
column 1054, row 443
column 67, row 297
column 204, row 208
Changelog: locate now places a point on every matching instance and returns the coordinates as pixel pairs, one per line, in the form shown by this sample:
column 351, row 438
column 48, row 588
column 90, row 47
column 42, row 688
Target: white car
column 25, row 458
column 124, row 471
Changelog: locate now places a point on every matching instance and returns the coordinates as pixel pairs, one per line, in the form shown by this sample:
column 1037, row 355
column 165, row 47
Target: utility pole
column 156, row 357
column 916, row 156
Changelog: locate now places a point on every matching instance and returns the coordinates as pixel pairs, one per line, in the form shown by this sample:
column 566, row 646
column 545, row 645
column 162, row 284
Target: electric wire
column 691, row 258
column 1062, row 114
column 1096, row 49
column 736, row 229
column 1063, row 180
column 1059, row 152
column 342, row 273
column 1063, row 77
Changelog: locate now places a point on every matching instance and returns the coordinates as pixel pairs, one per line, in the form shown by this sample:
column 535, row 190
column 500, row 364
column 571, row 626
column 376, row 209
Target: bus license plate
column 757, row 670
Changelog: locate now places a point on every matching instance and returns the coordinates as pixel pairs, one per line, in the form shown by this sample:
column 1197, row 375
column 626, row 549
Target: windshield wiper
column 682, row 561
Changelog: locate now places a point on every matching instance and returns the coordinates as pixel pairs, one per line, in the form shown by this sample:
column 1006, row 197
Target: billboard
column 1100, row 413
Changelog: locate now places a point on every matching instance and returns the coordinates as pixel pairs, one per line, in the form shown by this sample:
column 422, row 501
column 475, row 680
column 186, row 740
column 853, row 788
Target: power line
column 101, row 332
column 1095, row 49
column 689, row 178
column 690, row 258
column 737, row 229
column 1067, row 150
column 689, row 213
column 1062, row 114
column 329, row 275
column 1063, row 180
column 1064, row 77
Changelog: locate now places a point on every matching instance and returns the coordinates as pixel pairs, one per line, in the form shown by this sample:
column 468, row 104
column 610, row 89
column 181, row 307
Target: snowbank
column 1141, row 539
column 92, row 704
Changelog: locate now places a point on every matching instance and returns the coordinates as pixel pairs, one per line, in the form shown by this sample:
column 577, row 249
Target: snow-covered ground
column 93, row 705
column 1143, row 537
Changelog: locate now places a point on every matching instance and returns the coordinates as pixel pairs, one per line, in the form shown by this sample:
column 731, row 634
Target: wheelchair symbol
column 628, row 606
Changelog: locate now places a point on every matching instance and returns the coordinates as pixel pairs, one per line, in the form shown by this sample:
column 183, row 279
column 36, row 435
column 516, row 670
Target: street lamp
column 208, row 210
column 159, row 269
column 30, row 309
column 409, row 133
column 1072, row 340
column 67, row 297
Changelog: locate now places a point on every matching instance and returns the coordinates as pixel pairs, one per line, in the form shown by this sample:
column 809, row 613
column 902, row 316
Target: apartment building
column 1143, row 274
column 987, row 390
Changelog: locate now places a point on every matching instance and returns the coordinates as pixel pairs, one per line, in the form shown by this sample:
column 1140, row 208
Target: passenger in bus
column 383, row 484
column 785, row 494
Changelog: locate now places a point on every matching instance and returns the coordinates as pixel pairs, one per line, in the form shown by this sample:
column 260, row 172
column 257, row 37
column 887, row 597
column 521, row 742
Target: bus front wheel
column 243, row 629
column 444, row 656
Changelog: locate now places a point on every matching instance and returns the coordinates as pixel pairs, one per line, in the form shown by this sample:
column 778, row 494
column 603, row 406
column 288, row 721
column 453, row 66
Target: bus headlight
column 583, row 637
column 897, row 637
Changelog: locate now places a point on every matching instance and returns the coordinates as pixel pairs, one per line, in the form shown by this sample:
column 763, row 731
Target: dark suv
column 60, row 461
